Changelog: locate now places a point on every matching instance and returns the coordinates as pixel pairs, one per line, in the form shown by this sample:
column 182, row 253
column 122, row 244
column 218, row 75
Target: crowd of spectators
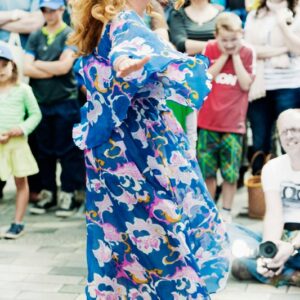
column 254, row 53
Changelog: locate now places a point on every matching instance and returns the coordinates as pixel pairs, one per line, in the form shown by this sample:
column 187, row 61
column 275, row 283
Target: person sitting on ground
column 281, row 185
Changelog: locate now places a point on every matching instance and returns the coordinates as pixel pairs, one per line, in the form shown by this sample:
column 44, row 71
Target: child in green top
column 16, row 101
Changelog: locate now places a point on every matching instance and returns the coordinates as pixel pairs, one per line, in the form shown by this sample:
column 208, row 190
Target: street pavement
column 48, row 262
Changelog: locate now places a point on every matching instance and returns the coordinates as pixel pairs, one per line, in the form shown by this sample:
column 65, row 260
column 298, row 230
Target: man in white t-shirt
column 281, row 185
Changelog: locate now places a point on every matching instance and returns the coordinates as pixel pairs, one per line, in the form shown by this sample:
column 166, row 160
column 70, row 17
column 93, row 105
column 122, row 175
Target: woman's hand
column 125, row 65
column 284, row 17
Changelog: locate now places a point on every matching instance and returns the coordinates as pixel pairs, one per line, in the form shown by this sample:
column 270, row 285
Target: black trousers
column 53, row 143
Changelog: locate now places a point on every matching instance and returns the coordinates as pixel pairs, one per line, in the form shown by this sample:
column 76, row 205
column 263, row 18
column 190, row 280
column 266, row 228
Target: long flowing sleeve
column 181, row 78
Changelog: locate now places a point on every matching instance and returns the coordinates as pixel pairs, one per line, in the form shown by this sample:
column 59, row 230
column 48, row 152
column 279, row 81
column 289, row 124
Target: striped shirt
column 15, row 104
column 276, row 78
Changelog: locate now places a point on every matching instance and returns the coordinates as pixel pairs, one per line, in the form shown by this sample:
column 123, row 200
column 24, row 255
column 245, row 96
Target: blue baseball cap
column 52, row 4
column 5, row 52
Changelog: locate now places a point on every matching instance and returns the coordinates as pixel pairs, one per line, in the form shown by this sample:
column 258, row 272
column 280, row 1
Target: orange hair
column 89, row 17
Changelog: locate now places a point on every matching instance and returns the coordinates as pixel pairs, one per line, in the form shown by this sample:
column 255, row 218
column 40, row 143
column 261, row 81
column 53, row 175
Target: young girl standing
column 16, row 101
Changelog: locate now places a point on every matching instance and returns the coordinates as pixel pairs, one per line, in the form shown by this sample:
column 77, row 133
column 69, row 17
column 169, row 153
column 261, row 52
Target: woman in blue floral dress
column 153, row 231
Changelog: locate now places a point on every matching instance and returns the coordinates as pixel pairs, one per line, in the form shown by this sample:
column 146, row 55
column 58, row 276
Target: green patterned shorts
column 219, row 150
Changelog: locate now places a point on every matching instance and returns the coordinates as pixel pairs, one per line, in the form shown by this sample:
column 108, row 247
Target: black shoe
column 45, row 203
column 15, row 231
column 218, row 193
column 67, row 205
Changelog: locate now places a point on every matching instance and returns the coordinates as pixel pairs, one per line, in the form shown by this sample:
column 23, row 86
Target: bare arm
column 27, row 24
column 273, row 221
column 296, row 241
column 32, row 71
column 163, row 33
column 244, row 78
column 264, row 52
column 292, row 40
column 194, row 47
column 6, row 16
column 58, row 67
column 216, row 68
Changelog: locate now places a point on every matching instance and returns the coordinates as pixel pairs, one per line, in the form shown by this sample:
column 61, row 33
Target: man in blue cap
column 48, row 63
column 21, row 16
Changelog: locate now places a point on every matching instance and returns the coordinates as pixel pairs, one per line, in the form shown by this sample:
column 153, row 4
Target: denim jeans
column 263, row 113
column 54, row 143
column 252, row 240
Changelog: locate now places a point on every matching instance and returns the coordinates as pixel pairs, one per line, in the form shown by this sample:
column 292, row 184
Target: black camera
column 268, row 250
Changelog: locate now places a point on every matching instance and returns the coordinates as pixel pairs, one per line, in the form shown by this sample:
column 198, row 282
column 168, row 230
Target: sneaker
column 226, row 216
column 67, row 205
column 45, row 203
column 15, row 231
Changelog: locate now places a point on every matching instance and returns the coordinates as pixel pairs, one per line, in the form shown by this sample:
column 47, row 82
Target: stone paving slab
column 48, row 262
column 45, row 296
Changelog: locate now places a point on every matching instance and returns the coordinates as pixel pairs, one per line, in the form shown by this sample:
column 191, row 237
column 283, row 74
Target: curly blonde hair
column 89, row 18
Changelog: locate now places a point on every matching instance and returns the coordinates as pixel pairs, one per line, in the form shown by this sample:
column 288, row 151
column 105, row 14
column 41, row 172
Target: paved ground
column 48, row 263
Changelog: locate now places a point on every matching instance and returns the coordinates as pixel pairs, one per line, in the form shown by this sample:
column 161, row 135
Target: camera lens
column 267, row 249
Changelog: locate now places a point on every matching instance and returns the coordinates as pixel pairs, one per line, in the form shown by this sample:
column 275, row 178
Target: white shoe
column 45, row 203
column 226, row 216
column 67, row 205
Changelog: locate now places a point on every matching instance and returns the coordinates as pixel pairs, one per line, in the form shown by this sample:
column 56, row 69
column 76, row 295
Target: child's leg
column 230, row 158
column 21, row 198
column 228, row 192
column 207, row 154
column 211, row 184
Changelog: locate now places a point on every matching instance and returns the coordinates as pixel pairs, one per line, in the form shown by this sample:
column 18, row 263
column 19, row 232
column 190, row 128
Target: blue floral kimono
column 152, row 230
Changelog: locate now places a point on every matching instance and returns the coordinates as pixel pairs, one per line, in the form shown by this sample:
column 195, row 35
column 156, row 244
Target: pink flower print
column 175, row 74
column 111, row 233
column 189, row 274
column 141, row 136
column 94, row 113
column 172, row 123
column 127, row 198
column 127, row 169
column 145, row 235
column 167, row 208
column 103, row 254
column 104, row 206
column 177, row 159
column 143, row 293
column 136, row 270
column 117, row 290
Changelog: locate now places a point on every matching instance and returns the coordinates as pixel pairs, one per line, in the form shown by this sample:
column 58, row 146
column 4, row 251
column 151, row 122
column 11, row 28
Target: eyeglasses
column 292, row 131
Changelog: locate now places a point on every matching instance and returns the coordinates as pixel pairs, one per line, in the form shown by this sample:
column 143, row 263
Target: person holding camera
column 278, row 262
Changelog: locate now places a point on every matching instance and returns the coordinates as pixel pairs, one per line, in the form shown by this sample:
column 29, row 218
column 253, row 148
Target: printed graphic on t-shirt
column 290, row 194
column 227, row 79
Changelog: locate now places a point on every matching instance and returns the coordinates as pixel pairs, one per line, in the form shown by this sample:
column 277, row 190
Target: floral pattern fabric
column 153, row 231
